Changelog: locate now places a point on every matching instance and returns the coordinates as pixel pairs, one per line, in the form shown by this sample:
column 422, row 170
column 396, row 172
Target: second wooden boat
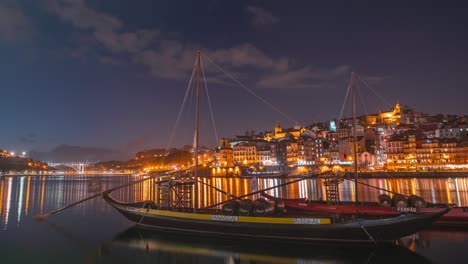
column 456, row 217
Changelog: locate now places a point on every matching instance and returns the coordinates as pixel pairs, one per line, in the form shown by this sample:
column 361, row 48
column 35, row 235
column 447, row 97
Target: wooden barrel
column 399, row 200
column 416, row 201
column 231, row 208
column 245, row 207
column 385, row 200
column 263, row 208
column 149, row 205
column 280, row 207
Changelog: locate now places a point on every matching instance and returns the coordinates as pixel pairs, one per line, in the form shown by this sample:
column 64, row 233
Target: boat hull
column 287, row 229
column 456, row 217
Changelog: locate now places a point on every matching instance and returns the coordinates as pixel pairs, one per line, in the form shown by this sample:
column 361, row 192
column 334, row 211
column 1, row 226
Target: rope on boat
column 367, row 233
column 143, row 216
column 263, row 190
column 209, row 101
column 180, row 113
column 408, row 185
column 372, row 186
column 252, row 92
column 340, row 116
column 147, row 211
column 41, row 216
column 362, row 100
column 373, row 90
column 219, row 190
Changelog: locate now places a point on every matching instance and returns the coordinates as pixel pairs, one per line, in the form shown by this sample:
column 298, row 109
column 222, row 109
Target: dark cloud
column 248, row 55
column 111, row 60
column 171, row 58
column 13, row 22
column 83, row 17
column 260, row 16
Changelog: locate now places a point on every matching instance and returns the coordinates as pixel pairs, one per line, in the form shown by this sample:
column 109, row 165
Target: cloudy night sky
column 113, row 74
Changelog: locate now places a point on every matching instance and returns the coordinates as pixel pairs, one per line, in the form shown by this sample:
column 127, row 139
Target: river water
column 93, row 232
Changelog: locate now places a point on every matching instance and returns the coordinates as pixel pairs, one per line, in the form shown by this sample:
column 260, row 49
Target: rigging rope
column 190, row 101
column 209, row 103
column 362, row 100
column 252, row 92
column 340, row 116
column 361, row 97
column 370, row 88
column 180, row 113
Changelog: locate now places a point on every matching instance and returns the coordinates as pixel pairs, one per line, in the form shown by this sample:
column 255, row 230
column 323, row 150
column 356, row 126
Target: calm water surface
column 93, row 232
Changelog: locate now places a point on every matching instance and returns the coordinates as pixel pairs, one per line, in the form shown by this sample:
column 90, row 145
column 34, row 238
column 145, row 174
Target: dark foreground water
column 93, row 232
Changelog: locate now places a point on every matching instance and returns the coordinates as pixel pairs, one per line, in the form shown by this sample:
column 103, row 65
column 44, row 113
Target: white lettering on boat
column 407, row 209
column 224, row 218
column 306, row 221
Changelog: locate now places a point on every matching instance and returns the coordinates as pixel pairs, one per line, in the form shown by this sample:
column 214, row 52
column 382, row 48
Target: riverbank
column 365, row 175
column 416, row 174
column 67, row 174
column 400, row 174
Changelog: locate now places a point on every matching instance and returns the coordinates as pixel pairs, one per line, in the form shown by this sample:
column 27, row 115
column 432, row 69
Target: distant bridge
column 77, row 166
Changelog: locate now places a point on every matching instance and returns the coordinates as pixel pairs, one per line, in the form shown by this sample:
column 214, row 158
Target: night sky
column 113, row 74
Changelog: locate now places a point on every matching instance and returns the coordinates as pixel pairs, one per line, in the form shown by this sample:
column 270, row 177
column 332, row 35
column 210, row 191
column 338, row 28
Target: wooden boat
column 456, row 217
column 298, row 228
column 182, row 215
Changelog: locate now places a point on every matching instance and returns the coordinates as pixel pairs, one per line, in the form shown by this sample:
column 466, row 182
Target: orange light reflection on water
column 34, row 194
column 1, row 195
column 42, row 194
column 26, row 203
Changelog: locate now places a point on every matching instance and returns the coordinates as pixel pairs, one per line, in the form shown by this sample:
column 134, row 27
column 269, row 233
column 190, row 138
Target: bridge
column 77, row 166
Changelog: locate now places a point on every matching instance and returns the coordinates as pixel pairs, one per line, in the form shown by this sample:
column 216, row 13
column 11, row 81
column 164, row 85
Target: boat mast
column 353, row 88
column 196, row 132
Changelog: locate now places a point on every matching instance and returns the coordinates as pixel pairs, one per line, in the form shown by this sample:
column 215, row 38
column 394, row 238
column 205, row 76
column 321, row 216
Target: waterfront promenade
column 367, row 175
column 414, row 174
column 94, row 173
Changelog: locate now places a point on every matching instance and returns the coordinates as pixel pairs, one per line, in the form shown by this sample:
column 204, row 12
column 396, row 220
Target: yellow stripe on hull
column 228, row 218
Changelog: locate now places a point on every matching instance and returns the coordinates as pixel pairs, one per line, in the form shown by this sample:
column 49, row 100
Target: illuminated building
column 291, row 152
column 343, row 132
column 331, row 155
column 224, row 154
column 278, row 153
column 375, row 145
column 305, row 151
column 346, row 148
column 392, row 116
column 264, row 155
column 279, row 133
column 415, row 153
column 455, row 132
column 245, row 154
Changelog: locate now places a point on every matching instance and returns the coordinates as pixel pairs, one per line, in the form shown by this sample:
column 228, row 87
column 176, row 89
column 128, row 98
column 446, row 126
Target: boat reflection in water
column 170, row 248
